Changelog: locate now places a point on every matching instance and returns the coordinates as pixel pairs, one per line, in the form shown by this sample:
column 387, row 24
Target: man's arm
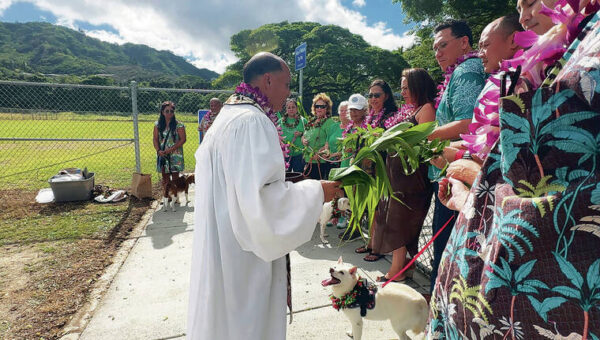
column 451, row 130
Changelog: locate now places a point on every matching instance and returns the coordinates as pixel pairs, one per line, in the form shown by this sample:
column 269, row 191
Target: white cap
column 357, row 101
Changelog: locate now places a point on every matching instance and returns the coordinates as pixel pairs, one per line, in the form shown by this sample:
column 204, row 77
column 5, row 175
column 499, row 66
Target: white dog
column 406, row 309
column 343, row 204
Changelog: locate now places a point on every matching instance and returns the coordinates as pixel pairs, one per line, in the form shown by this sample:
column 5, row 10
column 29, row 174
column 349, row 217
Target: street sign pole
column 300, row 56
column 300, row 84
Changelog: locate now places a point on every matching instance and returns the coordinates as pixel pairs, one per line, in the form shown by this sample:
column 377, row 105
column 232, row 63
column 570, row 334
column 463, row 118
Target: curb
column 81, row 318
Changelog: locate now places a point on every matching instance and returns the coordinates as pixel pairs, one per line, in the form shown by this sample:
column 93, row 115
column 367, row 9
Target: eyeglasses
column 320, row 106
column 376, row 95
column 169, row 111
column 443, row 45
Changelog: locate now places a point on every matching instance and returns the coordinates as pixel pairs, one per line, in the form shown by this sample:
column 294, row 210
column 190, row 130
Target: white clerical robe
column 246, row 219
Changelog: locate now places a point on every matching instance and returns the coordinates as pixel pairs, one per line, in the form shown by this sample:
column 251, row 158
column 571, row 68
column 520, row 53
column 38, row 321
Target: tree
column 339, row 63
column 429, row 13
column 475, row 12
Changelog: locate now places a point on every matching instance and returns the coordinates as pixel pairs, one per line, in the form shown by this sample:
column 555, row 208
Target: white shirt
column 246, row 219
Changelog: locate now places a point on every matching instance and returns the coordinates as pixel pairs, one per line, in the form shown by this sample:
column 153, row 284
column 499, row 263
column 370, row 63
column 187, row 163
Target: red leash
column 419, row 254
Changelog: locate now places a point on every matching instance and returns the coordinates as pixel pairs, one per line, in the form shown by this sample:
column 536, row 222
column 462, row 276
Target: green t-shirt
column 288, row 133
column 460, row 98
column 335, row 133
column 318, row 136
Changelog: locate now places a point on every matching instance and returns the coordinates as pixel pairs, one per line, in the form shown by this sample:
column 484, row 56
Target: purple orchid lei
column 374, row 118
column 350, row 128
column 403, row 113
column 448, row 74
column 543, row 51
column 485, row 130
column 254, row 93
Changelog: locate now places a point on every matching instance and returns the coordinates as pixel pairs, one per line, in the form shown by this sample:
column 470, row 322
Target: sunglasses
column 320, row 106
column 376, row 95
column 169, row 111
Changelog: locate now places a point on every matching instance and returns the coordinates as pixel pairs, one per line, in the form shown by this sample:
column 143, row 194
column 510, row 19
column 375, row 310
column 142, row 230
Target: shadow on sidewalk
column 166, row 224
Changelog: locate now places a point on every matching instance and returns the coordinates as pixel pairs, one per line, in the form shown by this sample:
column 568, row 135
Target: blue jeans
column 441, row 215
column 296, row 163
column 319, row 170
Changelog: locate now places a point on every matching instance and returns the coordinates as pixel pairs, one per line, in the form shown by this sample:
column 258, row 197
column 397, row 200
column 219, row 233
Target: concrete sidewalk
column 148, row 296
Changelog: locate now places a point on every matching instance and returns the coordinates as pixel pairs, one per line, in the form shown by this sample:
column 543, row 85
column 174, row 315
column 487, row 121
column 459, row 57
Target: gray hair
column 342, row 104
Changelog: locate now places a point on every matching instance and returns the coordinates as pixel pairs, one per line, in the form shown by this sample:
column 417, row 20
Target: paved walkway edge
column 80, row 319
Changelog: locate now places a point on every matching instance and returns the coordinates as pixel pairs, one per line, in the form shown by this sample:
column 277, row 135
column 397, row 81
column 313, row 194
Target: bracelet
column 460, row 154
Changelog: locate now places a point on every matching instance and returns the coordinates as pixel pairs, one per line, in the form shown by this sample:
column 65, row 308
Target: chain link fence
column 108, row 129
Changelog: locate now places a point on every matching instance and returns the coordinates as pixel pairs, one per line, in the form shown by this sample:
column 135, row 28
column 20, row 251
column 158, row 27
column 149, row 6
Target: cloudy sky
column 199, row 30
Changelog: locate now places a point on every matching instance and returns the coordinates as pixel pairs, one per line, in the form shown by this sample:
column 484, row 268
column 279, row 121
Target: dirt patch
column 43, row 284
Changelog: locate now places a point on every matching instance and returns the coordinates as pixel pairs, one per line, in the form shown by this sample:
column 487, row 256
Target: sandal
column 383, row 279
column 373, row 257
column 362, row 250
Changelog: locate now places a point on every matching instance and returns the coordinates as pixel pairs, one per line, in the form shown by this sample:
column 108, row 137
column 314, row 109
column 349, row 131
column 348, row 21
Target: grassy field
column 51, row 254
column 29, row 165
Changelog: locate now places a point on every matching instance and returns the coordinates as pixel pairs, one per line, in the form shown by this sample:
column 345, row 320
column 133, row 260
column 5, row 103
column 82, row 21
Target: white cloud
column 359, row 3
column 201, row 30
column 4, row 4
column 378, row 34
column 106, row 36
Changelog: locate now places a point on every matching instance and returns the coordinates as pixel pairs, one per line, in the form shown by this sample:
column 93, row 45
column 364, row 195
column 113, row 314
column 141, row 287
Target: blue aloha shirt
column 460, row 98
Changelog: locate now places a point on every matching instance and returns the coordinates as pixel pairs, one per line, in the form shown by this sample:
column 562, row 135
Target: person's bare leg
column 398, row 262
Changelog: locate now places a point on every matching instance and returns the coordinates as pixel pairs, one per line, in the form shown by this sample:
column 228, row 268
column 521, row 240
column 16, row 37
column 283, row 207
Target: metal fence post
column 136, row 132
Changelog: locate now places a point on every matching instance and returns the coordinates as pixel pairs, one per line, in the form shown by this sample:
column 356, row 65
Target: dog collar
column 362, row 295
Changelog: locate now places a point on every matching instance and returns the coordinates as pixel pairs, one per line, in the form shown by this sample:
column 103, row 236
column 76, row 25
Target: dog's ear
column 353, row 270
column 340, row 261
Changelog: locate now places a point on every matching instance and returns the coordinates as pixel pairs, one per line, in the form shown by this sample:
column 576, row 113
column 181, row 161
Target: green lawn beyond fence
column 29, row 164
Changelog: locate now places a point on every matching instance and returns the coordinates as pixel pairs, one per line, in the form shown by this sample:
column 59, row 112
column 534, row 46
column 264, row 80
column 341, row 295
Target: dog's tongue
column 327, row 282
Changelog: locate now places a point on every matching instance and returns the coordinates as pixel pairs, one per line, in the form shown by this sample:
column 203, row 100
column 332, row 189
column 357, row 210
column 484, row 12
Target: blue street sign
column 301, row 56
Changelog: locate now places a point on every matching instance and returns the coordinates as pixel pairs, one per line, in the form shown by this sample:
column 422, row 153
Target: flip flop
column 375, row 257
column 362, row 250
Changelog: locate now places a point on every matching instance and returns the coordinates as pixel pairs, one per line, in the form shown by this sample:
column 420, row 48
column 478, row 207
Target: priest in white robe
column 247, row 217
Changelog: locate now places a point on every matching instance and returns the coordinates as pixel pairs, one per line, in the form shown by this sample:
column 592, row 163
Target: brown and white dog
column 406, row 309
column 173, row 187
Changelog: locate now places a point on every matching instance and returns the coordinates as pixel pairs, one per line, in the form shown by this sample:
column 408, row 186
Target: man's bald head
column 271, row 75
column 261, row 63
column 497, row 42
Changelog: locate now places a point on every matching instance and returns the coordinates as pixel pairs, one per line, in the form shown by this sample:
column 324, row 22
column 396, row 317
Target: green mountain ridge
column 44, row 48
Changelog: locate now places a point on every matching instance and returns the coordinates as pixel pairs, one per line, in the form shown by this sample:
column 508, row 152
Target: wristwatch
column 467, row 155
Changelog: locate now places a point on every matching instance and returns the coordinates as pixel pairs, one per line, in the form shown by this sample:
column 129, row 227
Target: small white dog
column 343, row 204
column 406, row 309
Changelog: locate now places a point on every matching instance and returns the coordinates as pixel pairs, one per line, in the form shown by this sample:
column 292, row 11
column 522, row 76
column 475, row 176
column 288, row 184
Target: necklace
column 485, row 129
column 254, row 94
column 295, row 122
column 209, row 119
column 350, row 128
column 317, row 122
column 545, row 50
column 374, row 118
column 448, row 74
column 403, row 113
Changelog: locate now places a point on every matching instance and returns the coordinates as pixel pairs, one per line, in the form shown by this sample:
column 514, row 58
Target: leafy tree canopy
column 429, row 13
column 339, row 63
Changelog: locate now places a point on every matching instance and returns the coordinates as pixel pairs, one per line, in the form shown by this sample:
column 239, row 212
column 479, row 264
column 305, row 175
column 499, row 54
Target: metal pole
column 300, row 87
column 136, row 131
